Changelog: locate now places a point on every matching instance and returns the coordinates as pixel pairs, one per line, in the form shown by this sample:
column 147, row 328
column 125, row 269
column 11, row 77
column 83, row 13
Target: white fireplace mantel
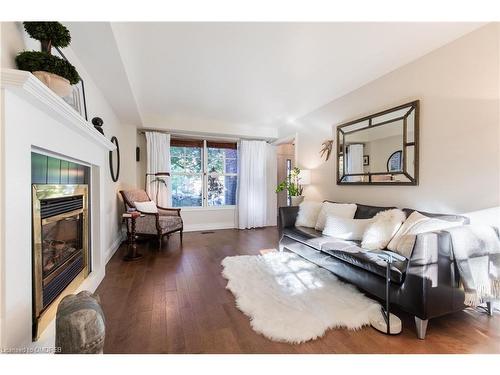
column 33, row 118
column 34, row 91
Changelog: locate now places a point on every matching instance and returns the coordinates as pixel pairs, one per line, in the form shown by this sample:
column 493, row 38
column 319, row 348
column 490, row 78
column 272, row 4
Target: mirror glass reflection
column 379, row 149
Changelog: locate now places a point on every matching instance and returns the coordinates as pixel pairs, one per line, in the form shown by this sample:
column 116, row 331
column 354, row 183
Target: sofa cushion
column 367, row 212
column 378, row 234
column 314, row 238
column 454, row 218
column 308, row 214
column 404, row 240
column 346, row 229
column 353, row 254
column 301, row 233
column 345, row 210
column 307, row 236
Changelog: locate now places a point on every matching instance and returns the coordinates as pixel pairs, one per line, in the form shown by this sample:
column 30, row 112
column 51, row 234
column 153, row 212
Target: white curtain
column 158, row 155
column 272, row 174
column 252, row 184
column 355, row 160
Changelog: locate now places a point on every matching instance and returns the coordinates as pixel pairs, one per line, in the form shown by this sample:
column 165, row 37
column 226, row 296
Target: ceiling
column 248, row 75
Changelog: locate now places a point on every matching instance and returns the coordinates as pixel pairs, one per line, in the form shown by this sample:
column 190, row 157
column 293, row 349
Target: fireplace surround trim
column 43, row 315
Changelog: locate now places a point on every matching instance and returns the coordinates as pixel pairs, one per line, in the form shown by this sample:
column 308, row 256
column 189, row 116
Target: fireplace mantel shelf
column 33, row 90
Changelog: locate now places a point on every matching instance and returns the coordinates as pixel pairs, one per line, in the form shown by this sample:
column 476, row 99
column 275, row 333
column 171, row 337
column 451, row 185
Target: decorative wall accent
column 97, row 122
column 114, row 169
column 382, row 148
column 326, row 149
column 77, row 98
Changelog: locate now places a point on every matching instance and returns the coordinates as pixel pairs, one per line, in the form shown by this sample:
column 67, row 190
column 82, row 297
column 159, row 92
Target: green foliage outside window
column 187, row 179
column 187, row 176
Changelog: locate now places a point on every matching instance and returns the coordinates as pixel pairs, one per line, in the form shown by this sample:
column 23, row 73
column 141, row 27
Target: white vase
column 61, row 86
column 296, row 200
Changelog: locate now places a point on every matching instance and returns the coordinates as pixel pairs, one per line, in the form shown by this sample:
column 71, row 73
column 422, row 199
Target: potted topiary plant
column 292, row 185
column 56, row 73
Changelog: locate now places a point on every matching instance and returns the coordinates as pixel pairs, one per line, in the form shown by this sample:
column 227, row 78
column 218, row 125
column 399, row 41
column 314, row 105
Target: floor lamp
column 157, row 174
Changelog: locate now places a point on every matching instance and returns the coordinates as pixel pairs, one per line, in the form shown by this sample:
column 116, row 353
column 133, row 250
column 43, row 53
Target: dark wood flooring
column 175, row 301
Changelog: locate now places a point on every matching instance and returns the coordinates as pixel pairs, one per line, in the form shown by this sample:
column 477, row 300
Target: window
column 204, row 173
column 186, row 160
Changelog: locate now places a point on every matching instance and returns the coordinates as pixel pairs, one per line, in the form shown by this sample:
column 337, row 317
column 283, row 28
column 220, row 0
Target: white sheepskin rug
column 290, row 299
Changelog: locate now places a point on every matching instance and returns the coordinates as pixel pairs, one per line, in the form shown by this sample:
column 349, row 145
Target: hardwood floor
column 175, row 301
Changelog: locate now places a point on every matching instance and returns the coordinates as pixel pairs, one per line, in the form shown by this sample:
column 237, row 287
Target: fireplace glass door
column 61, row 241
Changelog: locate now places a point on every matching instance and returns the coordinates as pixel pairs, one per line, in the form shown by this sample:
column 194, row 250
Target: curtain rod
column 206, row 136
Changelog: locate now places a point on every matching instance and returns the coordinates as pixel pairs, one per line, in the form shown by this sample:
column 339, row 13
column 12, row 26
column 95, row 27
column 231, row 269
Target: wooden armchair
column 163, row 223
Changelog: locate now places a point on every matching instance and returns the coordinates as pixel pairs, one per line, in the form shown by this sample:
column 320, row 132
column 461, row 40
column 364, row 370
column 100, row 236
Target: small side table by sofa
column 132, row 253
column 386, row 322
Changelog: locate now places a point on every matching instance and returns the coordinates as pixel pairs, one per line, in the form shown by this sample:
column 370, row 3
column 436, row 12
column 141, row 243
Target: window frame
column 204, row 174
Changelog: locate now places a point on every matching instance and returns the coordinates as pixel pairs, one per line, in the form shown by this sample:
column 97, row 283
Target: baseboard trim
column 208, row 226
column 114, row 246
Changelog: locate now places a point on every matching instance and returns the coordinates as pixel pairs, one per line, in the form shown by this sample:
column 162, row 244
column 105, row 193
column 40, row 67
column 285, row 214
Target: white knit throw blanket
column 476, row 250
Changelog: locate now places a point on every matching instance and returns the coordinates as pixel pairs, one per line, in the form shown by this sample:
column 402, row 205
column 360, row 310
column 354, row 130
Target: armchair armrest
column 148, row 213
column 169, row 211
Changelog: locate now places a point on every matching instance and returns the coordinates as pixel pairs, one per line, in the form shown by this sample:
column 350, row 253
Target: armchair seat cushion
column 170, row 223
column 146, row 224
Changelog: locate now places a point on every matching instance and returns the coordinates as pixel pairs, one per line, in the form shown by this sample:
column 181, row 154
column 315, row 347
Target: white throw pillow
column 346, row 229
column 147, row 207
column 415, row 218
column 345, row 210
column 406, row 242
column 308, row 214
column 378, row 234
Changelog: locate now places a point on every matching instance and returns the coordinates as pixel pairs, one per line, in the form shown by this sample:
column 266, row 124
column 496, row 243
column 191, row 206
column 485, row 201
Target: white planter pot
column 297, row 200
column 58, row 84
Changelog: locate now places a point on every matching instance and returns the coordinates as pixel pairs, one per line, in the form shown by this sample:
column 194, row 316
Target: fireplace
column 60, row 247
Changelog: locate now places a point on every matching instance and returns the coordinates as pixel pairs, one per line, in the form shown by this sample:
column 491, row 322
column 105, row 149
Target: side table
column 386, row 322
column 132, row 253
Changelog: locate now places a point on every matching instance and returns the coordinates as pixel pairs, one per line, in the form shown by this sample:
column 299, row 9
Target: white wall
column 14, row 40
column 209, row 218
column 458, row 86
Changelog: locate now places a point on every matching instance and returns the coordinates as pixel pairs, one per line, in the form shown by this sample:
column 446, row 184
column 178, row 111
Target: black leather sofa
column 426, row 285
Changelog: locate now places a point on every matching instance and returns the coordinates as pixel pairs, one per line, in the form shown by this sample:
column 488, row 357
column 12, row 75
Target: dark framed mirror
column 114, row 166
column 380, row 149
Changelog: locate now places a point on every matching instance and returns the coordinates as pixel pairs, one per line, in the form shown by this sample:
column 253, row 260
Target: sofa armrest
column 287, row 217
column 431, row 246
